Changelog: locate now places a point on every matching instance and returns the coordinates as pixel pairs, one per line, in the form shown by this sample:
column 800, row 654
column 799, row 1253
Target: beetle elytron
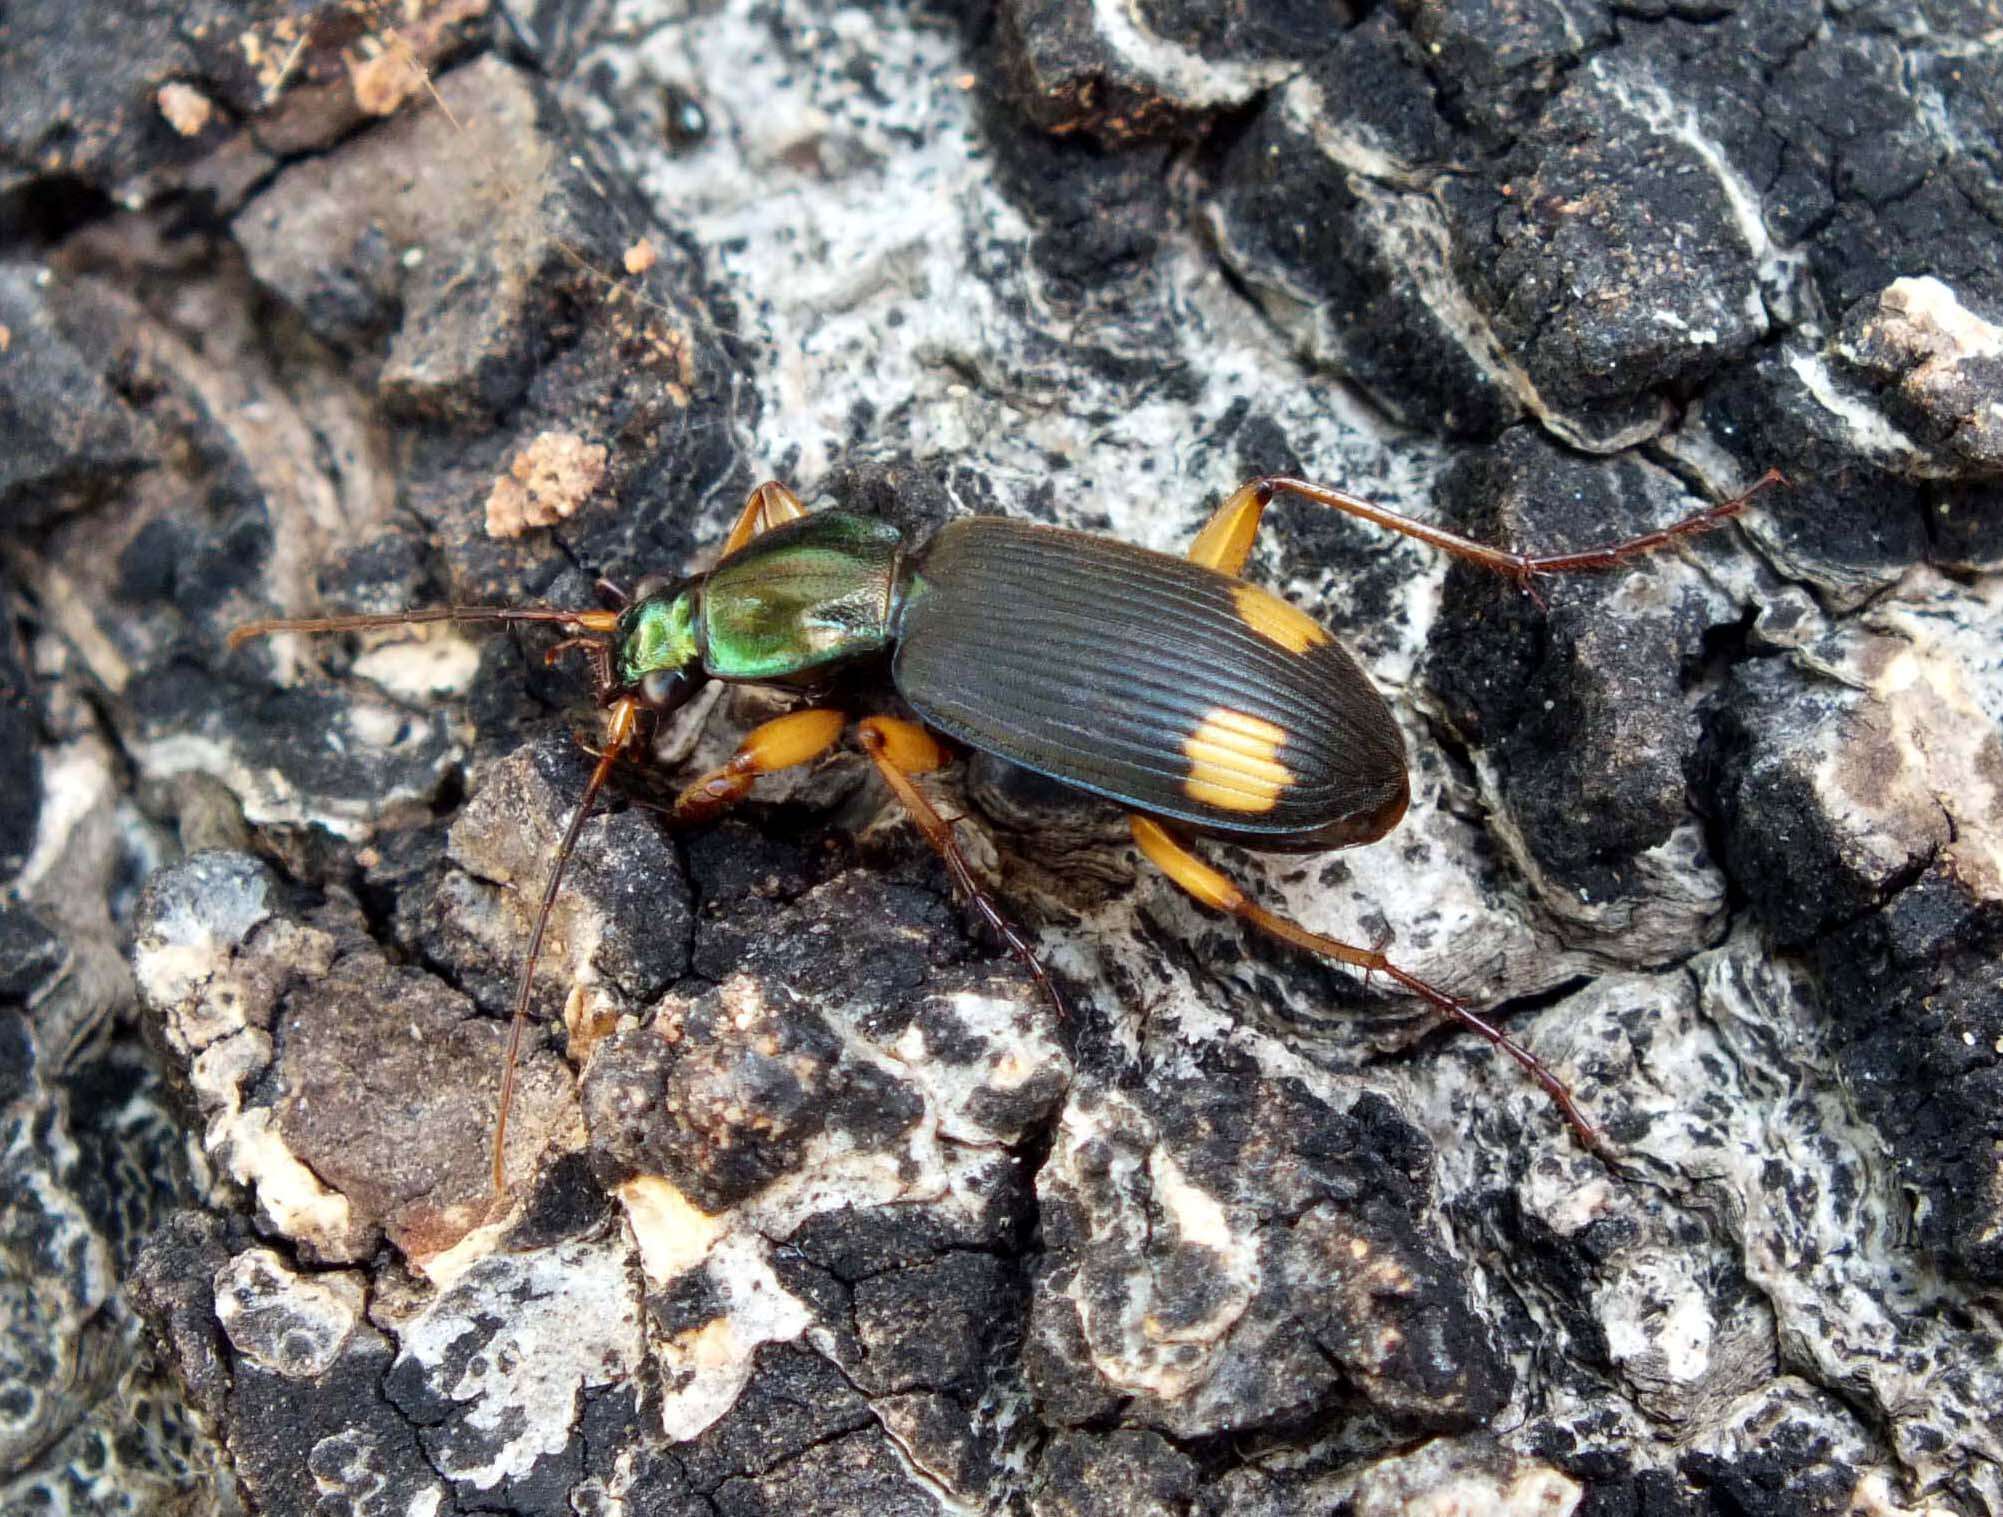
column 1203, row 705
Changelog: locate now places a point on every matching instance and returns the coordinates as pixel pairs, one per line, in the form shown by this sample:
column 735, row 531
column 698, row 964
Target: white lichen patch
column 41, row 1201
column 1781, row 278
column 444, row 1268
column 504, row 838
column 192, row 933
column 1136, row 1342
column 1351, row 144
column 422, row 668
column 1929, row 318
column 247, row 1146
column 836, row 1172
column 945, row 1160
column 674, row 1234
column 1199, row 1218
column 1874, row 1497
column 1406, row 221
column 75, row 781
column 1659, row 1328
column 1942, row 357
column 1531, row 1492
column 1863, row 423
column 1018, row 1046
column 351, row 1472
column 704, row 1368
column 1941, row 718
column 209, row 960
column 1820, row 1223
column 1564, row 1201
column 1447, row 1477
column 1183, row 74
column 292, row 1324
column 1792, row 1405
column 272, row 798
column 1914, row 770
column 1948, row 620
column 573, row 1324
column 789, row 196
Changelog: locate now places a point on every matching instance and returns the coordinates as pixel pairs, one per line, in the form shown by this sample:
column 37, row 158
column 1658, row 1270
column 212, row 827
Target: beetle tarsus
column 1611, row 555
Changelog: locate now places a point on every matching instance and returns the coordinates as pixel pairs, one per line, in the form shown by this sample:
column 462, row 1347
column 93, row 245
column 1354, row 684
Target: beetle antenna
column 590, row 621
column 622, row 721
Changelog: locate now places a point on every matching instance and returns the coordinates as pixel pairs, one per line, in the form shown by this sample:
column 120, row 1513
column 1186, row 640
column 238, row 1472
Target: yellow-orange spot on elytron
column 1234, row 762
column 1276, row 621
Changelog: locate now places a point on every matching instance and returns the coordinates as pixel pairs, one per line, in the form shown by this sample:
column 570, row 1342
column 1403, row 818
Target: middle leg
column 902, row 749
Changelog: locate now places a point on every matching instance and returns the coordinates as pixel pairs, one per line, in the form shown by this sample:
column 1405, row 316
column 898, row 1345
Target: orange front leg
column 785, row 742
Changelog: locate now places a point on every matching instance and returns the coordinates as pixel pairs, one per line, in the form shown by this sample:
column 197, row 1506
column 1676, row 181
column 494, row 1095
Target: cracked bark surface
column 817, row 1207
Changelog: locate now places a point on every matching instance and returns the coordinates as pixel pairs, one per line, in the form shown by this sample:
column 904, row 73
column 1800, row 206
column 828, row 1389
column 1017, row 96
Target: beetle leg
column 599, row 651
column 768, row 506
column 1213, row 889
column 1226, row 541
column 785, row 742
column 901, row 749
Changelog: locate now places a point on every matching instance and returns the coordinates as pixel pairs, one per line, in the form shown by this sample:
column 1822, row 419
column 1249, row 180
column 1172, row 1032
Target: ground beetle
column 1203, row 705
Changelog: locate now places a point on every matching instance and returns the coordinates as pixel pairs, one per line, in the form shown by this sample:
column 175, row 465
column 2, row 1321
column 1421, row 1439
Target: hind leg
column 1226, row 539
column 1212, row 888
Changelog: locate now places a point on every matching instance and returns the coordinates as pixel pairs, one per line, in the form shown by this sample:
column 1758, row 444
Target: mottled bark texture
column 818, row 1208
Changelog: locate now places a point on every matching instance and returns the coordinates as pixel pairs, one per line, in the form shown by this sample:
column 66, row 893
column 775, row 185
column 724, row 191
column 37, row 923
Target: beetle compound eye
column 666, row 689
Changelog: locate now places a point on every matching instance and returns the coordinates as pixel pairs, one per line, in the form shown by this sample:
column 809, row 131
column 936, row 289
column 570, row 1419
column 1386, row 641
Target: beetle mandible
column 1172, row 687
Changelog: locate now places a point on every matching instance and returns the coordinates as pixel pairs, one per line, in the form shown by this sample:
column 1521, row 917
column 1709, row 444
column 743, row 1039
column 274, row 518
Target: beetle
column 1172, row 687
